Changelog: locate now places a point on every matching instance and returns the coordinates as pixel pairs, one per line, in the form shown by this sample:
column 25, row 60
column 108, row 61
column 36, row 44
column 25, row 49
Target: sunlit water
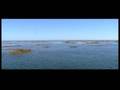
column 60, row 55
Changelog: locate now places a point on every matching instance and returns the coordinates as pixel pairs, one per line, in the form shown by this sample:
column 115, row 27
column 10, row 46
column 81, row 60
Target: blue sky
column 59, row 29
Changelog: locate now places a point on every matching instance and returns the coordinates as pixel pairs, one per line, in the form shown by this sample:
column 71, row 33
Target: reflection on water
column 61, row 55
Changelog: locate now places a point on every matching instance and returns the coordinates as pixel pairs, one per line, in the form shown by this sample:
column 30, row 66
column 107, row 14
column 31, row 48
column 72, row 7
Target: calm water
column 61, row 55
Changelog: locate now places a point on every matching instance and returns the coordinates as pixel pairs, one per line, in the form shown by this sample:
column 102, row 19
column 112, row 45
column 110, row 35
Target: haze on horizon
column 59, row 29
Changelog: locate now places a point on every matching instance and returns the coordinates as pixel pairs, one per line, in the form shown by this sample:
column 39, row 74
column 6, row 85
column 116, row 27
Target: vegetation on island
column 20, row 51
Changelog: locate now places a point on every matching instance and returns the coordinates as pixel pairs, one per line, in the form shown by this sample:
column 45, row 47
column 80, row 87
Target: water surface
column 61, row 55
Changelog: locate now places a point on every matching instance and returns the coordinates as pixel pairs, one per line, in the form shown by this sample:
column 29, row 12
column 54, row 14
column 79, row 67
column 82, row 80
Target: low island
column 20, row 51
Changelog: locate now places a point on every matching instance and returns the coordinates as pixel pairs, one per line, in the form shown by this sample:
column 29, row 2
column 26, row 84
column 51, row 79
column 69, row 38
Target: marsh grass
column 20, row 51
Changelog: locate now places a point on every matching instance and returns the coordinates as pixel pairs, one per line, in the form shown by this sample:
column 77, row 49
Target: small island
column 20, row 51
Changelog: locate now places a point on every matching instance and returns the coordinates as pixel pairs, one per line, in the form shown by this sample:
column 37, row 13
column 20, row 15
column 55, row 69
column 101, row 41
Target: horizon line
column 59, row 40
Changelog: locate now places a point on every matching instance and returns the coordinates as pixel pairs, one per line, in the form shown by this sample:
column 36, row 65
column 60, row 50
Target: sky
column 59, row 29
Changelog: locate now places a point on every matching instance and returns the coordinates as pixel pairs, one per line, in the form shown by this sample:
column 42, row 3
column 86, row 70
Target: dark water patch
column 70, row 42
column 46, row 46
column 73, row 46
column 7, row 46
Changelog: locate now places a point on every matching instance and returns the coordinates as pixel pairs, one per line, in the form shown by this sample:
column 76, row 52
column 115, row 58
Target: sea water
column 60, row 55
